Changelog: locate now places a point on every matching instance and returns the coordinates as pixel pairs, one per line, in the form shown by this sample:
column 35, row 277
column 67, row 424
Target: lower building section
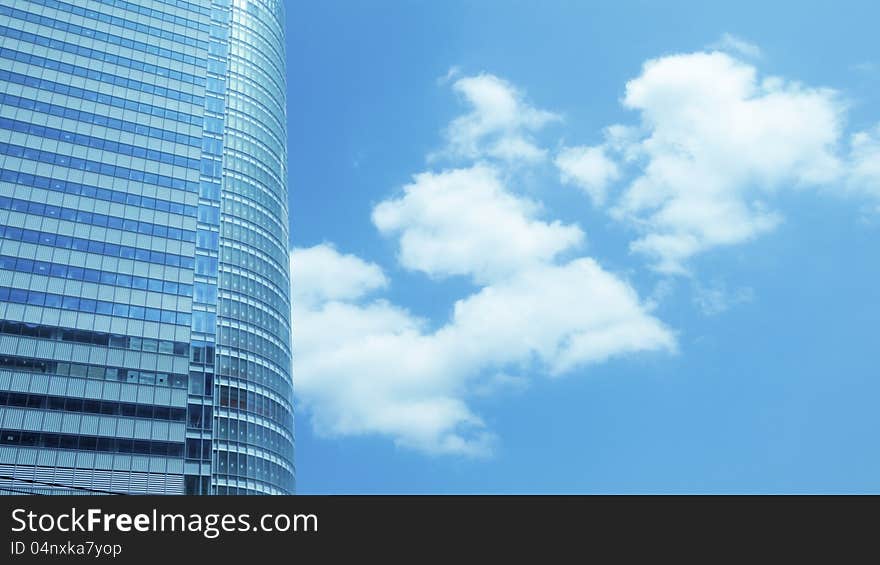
column 27, row 470
column 72, row 434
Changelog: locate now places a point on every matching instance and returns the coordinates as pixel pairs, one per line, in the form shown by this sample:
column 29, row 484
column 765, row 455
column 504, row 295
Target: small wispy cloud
column 865, row 67
column 737, row 46
column 453, row 72
column 588, row 168
column 500, row 125
column 716, row 298
column 501, row 382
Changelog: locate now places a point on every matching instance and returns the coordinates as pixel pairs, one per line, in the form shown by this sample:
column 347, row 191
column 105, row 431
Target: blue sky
column 694, row 294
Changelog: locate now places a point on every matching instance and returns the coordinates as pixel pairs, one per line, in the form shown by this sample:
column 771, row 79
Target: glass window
column 18, row 295
column 196, row 383
column 205, row 293
column 92, row 275
column 36, row 298
column 204, row 321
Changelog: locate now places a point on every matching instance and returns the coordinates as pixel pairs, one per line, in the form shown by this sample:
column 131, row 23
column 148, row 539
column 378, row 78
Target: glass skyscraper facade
column 144, row 279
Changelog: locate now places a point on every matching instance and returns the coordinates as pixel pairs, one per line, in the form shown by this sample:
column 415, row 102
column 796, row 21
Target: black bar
column 455, row 529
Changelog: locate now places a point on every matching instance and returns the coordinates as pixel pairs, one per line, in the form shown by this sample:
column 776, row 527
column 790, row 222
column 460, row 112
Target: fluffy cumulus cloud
column 500, row 124
column 589, row 168
column 563, row 316
column 465, row 222
column 714, row 142
column 364, row 365
column 323, row 274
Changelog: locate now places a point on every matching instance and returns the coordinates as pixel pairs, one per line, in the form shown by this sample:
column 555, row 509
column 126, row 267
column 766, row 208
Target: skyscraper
column 144, row 284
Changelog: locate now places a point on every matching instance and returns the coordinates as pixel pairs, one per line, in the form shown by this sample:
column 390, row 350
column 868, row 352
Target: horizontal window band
column 100, row 97
column 83, row 51
column 256, row 403
column 159, row 14
column 45, row 268
column 99, row 120
column 91, row 406
column 87, row 337
column 99, row 143
column 97, row 247
column 98, row 372
column 95, row 219
column 107, row 78
column 91, row 191
column 97, row 167
column 92, row 33
column 231, row 464
column 91, row 443
column 91, row 306
column 143, row 10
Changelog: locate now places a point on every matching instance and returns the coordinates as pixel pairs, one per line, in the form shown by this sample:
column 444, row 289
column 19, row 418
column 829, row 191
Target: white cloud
column 588, row 168
column 717, row 143
column 716, row 298
column 514, row 148
column 453, row 72
column 737, row 46
column 365, row 366
column 714, row 144
column 500, row 124
column 864, row 174
column 465, row 222
column 323, row 274
column 500, row 382
column 563, row 316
